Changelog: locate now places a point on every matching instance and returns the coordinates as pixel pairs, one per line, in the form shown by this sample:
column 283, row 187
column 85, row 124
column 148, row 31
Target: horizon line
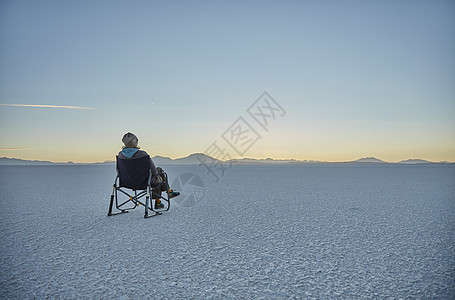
column 245, row 158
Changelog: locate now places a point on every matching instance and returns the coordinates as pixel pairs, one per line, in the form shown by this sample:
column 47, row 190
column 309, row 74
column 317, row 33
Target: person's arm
column 152, row 167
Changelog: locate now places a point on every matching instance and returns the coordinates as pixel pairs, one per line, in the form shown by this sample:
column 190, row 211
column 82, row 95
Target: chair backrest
column 133, row 173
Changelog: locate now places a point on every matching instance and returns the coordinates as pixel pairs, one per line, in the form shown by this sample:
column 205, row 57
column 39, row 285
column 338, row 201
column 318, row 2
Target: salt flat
column 260, row 232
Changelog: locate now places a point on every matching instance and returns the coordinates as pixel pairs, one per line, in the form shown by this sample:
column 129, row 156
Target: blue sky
column 356, row 78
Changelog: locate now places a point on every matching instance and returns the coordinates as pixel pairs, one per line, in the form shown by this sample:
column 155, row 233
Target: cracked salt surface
column 261, row 232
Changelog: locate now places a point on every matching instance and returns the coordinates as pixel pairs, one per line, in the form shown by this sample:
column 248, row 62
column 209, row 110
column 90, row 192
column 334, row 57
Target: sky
column 352, row 78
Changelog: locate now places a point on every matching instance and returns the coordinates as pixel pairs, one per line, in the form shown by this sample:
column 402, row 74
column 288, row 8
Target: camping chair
column 135, row 174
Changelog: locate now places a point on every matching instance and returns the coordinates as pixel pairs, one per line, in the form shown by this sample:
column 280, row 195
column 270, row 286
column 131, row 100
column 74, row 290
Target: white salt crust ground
column 260, row 232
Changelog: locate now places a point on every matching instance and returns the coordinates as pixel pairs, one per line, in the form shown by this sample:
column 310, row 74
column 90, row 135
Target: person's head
column 130, row 140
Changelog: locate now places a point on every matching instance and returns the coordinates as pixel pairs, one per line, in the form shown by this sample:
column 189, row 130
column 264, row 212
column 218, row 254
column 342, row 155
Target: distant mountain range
column 198, row 158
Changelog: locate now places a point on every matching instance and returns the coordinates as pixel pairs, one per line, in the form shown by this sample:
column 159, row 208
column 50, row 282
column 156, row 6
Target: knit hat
column 130, row 140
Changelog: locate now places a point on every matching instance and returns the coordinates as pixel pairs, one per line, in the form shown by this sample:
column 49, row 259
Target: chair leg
column 147, row 202
column 111, row 204
column 147, row 199
column 109, row 213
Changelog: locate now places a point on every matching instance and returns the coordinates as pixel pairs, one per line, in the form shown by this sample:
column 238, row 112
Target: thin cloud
column 48, row 106
column 14, row 149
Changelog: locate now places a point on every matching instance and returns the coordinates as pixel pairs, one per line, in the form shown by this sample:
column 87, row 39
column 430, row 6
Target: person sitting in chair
column 130, row 151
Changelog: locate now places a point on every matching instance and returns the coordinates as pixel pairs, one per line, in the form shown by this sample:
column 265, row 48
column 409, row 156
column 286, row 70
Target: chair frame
column 135, row 195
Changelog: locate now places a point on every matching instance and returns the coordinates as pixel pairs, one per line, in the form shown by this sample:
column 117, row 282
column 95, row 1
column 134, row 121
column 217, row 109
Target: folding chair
column 135, row 174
